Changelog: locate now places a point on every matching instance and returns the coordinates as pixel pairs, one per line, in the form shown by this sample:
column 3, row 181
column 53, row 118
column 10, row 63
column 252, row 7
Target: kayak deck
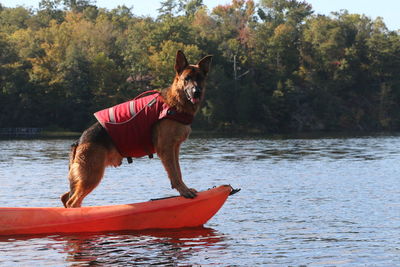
column 168, row 213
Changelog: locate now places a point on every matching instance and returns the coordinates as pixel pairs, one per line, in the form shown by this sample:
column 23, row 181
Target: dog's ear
column 205, row 64
column 181, row 62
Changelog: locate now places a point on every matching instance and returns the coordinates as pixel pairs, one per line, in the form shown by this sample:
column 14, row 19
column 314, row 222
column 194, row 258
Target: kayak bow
column 168, row 213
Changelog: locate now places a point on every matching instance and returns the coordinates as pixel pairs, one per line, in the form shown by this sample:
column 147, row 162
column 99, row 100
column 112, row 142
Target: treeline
column 278, row 67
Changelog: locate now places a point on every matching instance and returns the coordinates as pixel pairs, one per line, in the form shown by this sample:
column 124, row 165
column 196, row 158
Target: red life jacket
column 130, row 124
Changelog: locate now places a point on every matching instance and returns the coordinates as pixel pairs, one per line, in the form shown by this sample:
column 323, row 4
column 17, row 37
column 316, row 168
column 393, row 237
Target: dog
column 96, row 149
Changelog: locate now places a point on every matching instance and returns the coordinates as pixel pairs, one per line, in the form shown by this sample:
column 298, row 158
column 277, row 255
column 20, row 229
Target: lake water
column 304, row 202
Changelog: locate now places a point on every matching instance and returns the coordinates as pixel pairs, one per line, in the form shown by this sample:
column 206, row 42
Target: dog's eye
column 188, row 78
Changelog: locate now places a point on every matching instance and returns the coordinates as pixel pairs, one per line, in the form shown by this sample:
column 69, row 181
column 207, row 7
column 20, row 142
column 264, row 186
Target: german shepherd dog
column 95, row 150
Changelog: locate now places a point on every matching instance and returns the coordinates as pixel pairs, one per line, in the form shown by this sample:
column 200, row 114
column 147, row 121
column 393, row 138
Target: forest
column 278, row 67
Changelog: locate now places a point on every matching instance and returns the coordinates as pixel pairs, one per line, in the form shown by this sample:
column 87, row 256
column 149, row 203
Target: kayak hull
column 169, row 213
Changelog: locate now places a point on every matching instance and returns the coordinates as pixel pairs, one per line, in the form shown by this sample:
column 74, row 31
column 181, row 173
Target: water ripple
column 329, row 201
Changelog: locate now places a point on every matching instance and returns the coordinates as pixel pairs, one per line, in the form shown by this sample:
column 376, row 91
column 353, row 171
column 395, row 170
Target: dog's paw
column 187, row 192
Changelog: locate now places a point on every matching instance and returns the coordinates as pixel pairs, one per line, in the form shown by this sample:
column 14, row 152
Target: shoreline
column 48, row 134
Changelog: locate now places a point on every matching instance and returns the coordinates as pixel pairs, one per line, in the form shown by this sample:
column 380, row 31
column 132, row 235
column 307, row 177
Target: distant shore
column 201, row 133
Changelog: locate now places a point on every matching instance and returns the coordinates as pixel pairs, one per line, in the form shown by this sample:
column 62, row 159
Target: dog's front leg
column 168, row 137
column 183, row 190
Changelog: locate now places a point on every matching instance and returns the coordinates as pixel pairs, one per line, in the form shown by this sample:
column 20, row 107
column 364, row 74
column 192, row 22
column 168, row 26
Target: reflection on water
column 162, row 247
column 321, row 201
column 122, row 248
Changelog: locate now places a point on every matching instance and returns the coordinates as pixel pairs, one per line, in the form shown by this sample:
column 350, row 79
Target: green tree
column 160, row 61
column 49, row 10
column 383, row 48
column 13, row 19
column 276, row 67
column 15, row 94
column 168, row 8
column 191, row 6
column 77, row 5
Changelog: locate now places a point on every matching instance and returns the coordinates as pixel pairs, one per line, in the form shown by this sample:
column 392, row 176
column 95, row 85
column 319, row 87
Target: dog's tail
column 72, row 153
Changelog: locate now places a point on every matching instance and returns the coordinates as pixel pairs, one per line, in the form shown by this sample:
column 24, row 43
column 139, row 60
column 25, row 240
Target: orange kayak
column 168, row 213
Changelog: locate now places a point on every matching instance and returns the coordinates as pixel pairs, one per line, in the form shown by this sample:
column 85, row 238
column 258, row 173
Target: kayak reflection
column 148, row 247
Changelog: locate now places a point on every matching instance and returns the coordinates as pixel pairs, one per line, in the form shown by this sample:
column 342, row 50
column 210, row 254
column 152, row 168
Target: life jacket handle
column 147, row 92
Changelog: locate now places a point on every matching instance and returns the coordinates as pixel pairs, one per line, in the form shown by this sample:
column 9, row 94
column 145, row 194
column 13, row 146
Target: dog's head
column 190, row 79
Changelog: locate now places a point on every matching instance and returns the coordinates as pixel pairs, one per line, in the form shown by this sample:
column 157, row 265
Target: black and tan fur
column 95, row 149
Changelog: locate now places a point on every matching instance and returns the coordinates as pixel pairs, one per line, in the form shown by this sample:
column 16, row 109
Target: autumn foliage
column 278, row 67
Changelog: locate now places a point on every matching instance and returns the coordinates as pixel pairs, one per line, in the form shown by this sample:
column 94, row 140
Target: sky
column 387, row 9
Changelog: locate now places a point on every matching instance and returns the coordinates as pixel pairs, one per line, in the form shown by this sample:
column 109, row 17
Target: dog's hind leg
column 86, row 172
column 65, row 196
column 72, row 153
